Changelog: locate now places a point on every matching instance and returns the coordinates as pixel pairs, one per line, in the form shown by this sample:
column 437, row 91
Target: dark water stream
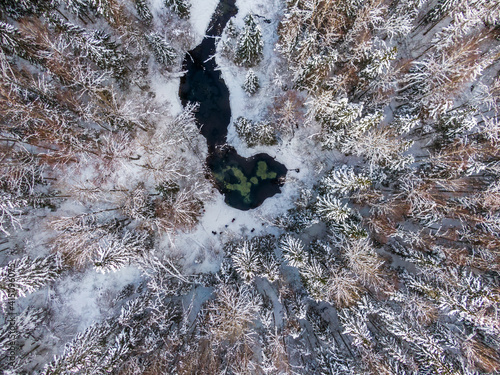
column 245, row 182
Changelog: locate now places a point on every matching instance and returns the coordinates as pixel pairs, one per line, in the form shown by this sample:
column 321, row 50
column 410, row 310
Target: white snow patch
column 80, row 297
column 201, row 13
column 167, row 90
column 157, row 6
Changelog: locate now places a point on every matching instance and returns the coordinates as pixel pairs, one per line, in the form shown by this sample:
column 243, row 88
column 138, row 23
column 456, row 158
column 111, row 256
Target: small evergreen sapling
column 251, row 84
column 355, row 326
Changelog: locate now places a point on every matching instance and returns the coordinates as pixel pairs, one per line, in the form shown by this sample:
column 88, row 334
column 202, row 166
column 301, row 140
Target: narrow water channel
column 245, row 182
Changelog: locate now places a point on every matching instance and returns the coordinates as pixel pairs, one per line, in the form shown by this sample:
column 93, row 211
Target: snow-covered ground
column 82, row 297
column 218, row 217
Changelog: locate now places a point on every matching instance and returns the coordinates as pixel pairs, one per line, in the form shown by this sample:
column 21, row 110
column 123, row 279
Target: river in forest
column 245, row 182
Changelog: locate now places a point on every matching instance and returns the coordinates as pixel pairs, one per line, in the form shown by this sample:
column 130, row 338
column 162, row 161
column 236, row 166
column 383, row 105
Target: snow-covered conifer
column 231, row 30
column 423, row 204
column 137, row 204
column 96, row 45
column 255, row 133
column 359, row 127
column 77, row 6
column 379, row 62
column 491, row 130
column 440, row 9
column 25, row 275
column 246, row 261
column 264, row 133
column 13, row 42
column 397, row 25
column 83, row 353
column 244, row 128
column 430, row 353
column 315, row 277
column 113, row 253
column 269, row 267
column 355, row 326
column 406, row 123
column 312, row 74
column 251, row 84
column 250, row 44
column 344, row 180
column 102, row 7
column 143, row 11
column 9, row 37
column 333, row 362
column 441, row 74
column 293, row 251
column 180, row 7
column 333, row 113
column 458, row 122
column 124, row 342
column 162, row 50
column 380, row 147
column 332, row 209
column 290, row 30
column 466, row 296
column 21, row 326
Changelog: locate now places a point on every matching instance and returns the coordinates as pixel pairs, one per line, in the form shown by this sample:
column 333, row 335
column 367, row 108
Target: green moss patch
column 233, row 179
column 262, row 171
column 243, row 186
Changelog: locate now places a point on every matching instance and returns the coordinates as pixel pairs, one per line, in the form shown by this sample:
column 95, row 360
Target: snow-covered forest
column 381, row 254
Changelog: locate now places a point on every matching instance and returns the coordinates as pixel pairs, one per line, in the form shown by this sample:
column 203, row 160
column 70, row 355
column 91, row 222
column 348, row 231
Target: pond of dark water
column 245, row 182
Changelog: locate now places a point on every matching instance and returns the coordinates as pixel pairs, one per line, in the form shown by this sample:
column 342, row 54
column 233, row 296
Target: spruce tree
column 265, row 133
column 114, row 253
column 162, row 50
column 77, row 6
column 246, row 262
column 293, row 251
column 99, row 48
column 245, row 129
column 251, row 85
column 24, row 275
column 180, row 7
column 102, row 7
column 250, row 45
column 9, row 37
column 13, row 42
column 343, row 180
column 143, row 11
column 332, row 209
